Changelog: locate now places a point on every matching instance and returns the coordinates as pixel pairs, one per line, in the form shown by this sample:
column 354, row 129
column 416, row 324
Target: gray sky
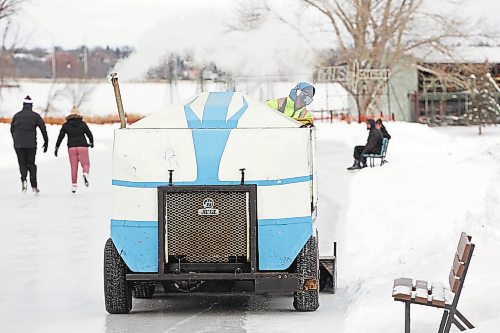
column 70, row 23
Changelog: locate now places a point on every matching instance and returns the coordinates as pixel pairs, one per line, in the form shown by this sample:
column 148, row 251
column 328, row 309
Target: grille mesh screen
column 206, row 238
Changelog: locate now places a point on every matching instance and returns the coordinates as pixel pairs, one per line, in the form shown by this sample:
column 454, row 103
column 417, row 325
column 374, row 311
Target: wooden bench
column 381, row 155
column 434, row 294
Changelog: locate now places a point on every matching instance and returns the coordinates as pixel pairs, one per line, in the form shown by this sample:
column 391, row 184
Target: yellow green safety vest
column 286, row 106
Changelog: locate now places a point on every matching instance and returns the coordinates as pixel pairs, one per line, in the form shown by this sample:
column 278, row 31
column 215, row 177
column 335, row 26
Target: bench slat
column 454, row 281
column 438, row 294
column 463, row 248
column 422, row 292
column 458, row 266
column 402, row 289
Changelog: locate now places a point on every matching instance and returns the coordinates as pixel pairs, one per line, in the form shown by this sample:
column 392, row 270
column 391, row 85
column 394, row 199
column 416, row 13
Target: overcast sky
column 70, row 23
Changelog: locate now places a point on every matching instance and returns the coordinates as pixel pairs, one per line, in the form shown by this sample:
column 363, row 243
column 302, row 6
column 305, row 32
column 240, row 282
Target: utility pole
column 201, row 79
column 54, row 63
column 85, row 62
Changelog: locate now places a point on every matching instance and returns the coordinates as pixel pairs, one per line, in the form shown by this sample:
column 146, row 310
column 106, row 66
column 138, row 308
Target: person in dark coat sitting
column 373, row 146
column 23, row 130
column 78, row 150
column 382, row 129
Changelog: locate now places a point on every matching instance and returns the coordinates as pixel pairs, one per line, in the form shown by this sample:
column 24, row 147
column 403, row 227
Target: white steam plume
column 272, row 48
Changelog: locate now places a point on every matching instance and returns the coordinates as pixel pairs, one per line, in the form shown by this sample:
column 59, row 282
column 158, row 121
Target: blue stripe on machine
column 289, row 220
column 137, row 224
column 271, row 182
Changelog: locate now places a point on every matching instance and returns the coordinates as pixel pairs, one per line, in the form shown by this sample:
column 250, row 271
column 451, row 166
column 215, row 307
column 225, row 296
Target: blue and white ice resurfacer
column 215, row 194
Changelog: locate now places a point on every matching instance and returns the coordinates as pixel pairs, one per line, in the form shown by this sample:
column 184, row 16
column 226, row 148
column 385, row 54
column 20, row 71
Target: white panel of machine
column 135, row 204
column 197, row 104
column 267, row 154
column 170, row 117
column 273, row 202
column 147, row 155
column 284, row 201
column 257, row 114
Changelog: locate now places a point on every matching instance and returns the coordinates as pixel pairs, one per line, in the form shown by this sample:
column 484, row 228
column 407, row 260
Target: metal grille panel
column 212, row 238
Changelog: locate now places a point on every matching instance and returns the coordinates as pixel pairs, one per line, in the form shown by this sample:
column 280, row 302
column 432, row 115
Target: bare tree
column 79, row 92
column 7, row 9
column 378, row 34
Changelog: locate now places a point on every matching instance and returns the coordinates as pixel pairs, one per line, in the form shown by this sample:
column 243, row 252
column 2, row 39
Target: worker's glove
column 55, row 151
column 91, row 145
column 309, row 125
column 45, row 147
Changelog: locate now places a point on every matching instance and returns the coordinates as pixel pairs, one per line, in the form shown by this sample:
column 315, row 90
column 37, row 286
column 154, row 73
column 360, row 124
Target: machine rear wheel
column 306, row 298
column 117, row 291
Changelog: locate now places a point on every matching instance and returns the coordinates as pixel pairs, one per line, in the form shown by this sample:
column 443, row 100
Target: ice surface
column 402, row 219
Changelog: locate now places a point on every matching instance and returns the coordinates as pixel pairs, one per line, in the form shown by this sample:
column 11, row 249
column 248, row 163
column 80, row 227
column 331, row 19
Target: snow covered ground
column 402, row 219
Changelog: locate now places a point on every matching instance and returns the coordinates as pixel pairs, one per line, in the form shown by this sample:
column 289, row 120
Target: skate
column 355, row 166
column 85, row 180
column 35, row 190
column 24, row 186
column 73, row 188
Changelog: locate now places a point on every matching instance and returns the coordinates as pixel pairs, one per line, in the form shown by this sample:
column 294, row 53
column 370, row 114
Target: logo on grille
column 208, row 208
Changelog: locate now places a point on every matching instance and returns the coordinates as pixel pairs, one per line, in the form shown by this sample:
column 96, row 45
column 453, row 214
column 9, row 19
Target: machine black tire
column 307, row 267
column 117, row 291
column 144, row 290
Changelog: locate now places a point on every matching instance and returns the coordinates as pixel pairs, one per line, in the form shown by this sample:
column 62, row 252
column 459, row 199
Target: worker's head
column 302, row 94
column 370, row 123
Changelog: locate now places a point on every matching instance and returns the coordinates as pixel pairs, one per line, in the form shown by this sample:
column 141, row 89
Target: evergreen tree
column 484, row 107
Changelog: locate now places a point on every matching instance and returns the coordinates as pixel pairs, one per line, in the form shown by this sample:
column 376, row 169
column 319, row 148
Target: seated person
column 373, row 146
column 382, row 129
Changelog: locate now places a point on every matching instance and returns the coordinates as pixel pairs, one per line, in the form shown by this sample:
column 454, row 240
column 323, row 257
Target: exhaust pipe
column 118, row 97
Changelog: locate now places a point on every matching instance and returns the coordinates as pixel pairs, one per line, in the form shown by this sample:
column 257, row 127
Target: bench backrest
column 460, row 262
column 383, row 150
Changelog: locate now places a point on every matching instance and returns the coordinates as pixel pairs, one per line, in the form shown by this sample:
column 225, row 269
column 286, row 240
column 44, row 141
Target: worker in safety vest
column 295, row 104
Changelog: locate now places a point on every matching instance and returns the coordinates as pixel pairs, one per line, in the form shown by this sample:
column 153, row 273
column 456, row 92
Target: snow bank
column 404, row 220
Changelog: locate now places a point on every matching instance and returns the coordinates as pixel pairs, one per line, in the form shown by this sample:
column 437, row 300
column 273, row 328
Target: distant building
column 443, row 83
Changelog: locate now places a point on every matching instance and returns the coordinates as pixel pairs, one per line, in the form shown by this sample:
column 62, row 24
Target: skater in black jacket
column 23, row 130
column 78, row 150
column 373, row 146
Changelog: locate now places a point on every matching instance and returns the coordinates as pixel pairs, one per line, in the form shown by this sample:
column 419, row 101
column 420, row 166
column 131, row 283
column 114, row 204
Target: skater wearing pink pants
column 78, row 150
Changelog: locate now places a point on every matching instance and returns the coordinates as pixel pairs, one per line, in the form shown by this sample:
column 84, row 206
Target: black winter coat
column 374, row 142
column 76, row 129
column 23, row 128
column 385, row 134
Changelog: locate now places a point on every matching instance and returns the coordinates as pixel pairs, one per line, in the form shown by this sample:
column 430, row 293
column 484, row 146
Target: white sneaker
column 73, row 188
column 35, row 190
column 24, row 186
column 85, row 179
